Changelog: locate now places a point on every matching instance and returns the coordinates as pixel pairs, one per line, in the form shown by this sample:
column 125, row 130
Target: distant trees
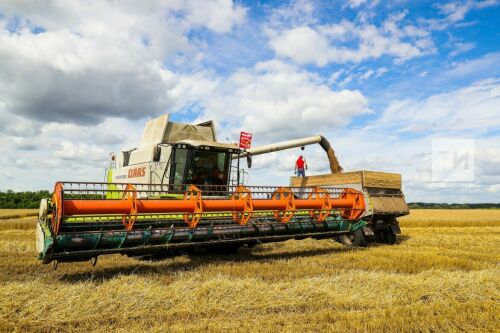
column 426, row 205
column 11, row 199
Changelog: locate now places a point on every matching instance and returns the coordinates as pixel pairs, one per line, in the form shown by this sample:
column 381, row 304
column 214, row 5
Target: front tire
column 354, row 239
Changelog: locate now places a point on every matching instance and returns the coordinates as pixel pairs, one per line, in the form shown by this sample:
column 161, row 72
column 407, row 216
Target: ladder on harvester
column 233, row 173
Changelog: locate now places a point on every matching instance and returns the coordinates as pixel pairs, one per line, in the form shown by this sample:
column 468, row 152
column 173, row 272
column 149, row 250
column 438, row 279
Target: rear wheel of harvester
column 354, row 239
column 386, row 236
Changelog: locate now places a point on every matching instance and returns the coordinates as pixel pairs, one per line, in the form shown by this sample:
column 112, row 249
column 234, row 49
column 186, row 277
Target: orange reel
column 326, row 207
column 130, row 195
column 359, row 206
column 243, row 194
column 284, row 194
column 193, row 194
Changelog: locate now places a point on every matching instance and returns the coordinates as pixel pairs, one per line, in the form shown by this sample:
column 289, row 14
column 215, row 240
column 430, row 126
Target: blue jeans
column 301, row 173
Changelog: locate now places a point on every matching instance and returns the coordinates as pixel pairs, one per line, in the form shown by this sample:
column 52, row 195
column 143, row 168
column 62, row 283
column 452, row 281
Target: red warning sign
column 245, row 140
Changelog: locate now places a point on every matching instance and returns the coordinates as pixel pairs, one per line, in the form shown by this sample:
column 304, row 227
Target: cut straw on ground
column 443, row 275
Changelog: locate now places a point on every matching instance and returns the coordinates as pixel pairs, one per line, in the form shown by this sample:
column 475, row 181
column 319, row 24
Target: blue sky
column 383, row 80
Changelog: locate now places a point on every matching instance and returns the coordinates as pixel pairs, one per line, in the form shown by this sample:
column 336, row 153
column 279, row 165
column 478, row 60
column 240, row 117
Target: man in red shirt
column 300, row 167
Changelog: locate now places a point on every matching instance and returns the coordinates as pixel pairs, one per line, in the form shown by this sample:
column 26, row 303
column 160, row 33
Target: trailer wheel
column 388, row 237
column 354, row 239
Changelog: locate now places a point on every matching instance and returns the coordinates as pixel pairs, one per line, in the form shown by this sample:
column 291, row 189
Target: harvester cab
column 181, row 190
column 175, row 154
column 202, row 165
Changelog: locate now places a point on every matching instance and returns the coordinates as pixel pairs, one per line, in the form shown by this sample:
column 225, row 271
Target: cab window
column 208, row 168
column 179, row 165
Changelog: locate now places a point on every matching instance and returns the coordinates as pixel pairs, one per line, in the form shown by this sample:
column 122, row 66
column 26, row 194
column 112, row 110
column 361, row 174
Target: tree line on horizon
column 25, row 199
column 430, row 205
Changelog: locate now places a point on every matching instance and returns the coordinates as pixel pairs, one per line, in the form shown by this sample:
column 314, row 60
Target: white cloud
column 381, row 71
column 356, row 3
column 494, row 188
column 307, row 42
column 345, row 76
column 78, row 152
column 460, row 48
column 486, row 65
column 277, row 101
column 218, row 15
column 274, row 100
column 347, row 41
column 456, row 11
column 333, row 78
column 296, row 12
column 101, row 59
column 366, row 75
column 380, row 148
column 16, row 126
column 63, row 151
column 65, row 93
column 303, row 44
column 470, row 108
column 467, row 113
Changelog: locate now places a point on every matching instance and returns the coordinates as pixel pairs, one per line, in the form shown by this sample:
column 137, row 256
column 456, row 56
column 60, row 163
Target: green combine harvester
column 181, row 191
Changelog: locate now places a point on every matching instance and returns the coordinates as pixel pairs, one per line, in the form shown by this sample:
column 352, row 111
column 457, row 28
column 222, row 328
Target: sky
column 411, row 87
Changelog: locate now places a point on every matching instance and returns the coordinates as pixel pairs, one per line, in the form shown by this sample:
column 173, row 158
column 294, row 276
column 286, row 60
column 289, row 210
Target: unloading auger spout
column 310, row 140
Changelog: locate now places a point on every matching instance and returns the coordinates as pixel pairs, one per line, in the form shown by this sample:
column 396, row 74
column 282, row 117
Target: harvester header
column 145, row 219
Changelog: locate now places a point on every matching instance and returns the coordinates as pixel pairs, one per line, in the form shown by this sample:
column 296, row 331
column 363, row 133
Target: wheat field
column 443, row 275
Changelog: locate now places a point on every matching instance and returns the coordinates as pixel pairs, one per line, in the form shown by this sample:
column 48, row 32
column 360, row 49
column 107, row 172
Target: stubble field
column 443, row 275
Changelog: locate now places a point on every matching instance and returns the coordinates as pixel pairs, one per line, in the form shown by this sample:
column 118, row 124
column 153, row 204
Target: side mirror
column 249, row 161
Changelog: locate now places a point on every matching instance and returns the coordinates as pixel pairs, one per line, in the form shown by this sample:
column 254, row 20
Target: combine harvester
column 181, row 190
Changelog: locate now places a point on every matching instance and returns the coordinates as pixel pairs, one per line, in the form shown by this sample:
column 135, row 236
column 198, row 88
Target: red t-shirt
column 300, row 163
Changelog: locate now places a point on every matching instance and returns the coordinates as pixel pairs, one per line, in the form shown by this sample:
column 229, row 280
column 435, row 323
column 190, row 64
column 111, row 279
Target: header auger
column 182, row 190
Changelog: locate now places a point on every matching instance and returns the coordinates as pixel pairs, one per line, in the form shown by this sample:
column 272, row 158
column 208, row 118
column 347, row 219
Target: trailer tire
column 389, row 237
column 354, row 239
